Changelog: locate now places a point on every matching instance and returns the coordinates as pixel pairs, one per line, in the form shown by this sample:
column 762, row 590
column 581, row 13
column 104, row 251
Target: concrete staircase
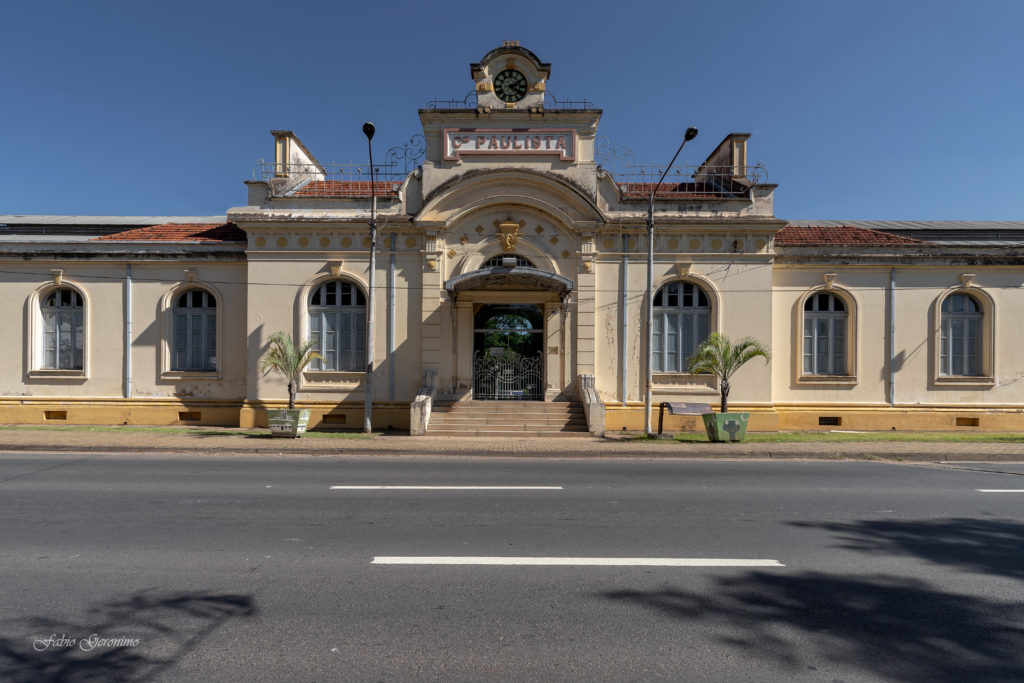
column 507, row 418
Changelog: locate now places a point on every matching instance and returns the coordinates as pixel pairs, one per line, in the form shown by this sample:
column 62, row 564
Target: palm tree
column 718, row 355
column 290, row 360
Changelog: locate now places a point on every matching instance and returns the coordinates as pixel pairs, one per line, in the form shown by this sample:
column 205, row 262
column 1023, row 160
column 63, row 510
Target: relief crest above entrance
column 509, row 231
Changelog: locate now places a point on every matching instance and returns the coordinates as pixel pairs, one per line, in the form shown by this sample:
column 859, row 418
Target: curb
column 658, row 453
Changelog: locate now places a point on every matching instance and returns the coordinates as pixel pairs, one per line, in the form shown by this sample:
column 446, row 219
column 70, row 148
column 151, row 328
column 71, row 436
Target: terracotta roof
column 808, row 235
column 347, row 188
column 180, row 232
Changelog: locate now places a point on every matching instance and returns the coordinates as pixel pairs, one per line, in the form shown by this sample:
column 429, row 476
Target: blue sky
column 908, row 109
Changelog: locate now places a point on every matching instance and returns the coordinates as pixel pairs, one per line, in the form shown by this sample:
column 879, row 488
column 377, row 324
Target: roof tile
column 179, row 232
column 809, row 235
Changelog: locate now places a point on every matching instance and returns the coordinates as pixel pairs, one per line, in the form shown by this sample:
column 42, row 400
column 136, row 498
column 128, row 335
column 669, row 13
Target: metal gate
column 508, row 377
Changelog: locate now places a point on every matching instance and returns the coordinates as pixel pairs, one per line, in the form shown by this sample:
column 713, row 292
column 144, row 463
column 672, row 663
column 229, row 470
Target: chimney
column 282, row 152
column 738, row 149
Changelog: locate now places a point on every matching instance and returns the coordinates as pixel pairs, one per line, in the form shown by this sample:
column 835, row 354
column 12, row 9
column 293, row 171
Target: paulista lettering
column 554, row 143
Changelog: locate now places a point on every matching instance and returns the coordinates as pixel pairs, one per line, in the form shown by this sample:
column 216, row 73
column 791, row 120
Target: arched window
column 960, row 350
column 682, row 320
column 63, row 335
column 826, row 322
column 195, row 332
column 337, row 323
column 521, row 261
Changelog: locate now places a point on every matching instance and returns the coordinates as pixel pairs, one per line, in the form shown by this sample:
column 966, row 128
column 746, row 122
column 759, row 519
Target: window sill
column 326, row 379
column 839, row 380
column 57, row 374
column 684, row 383
column 189, row 374
column 965, row 381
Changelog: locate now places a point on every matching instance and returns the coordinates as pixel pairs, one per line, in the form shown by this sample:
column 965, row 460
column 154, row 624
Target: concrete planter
column 726, row 426
column 290, row 423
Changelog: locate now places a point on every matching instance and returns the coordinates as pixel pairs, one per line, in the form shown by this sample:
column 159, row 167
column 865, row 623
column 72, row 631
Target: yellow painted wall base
column 119, row 412
column 824, row 418
column 332, row 415
column 200, row 413
column 958, row 419
column 395, row 415
column 630, row 418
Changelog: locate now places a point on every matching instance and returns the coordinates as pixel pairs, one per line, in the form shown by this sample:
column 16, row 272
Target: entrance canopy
column 503, row 277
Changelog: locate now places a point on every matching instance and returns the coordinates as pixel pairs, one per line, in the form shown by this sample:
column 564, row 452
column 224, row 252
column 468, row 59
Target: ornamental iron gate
column 507, row 376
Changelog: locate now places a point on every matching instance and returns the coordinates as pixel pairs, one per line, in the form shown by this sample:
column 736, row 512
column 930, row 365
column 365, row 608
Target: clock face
column 510, row 85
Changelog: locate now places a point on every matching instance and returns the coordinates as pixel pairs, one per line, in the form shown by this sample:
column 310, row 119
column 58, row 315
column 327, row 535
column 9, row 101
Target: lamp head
column 690, row 134
column 369, row 130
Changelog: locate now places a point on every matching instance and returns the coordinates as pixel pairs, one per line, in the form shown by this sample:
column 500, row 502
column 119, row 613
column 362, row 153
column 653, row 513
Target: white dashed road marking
column 581, row 561
column 447, row 488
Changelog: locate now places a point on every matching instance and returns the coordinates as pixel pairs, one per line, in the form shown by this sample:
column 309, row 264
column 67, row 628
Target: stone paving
column 216, row 440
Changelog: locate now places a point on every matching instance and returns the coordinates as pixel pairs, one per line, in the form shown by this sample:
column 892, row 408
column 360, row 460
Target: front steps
column 514, row 419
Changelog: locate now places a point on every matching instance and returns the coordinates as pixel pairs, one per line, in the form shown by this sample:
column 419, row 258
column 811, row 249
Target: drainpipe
column 391, row 320
column 127, row 391
column 892, row 337
column 623, row 346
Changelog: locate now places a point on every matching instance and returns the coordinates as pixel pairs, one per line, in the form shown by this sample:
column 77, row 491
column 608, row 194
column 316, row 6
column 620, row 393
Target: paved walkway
column 226, row 440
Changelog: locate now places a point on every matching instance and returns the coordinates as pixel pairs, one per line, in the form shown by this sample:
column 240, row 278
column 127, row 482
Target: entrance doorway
column 508, row 352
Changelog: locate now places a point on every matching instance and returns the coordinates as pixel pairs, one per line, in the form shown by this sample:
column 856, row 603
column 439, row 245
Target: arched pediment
column 476, row 190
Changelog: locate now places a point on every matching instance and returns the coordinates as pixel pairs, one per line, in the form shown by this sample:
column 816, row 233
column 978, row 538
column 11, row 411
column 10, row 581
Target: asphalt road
column 254, row 568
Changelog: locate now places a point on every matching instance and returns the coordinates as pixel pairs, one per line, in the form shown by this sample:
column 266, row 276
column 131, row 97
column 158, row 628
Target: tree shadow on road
column 892, row 627
column 985, row 546
column 123, row 640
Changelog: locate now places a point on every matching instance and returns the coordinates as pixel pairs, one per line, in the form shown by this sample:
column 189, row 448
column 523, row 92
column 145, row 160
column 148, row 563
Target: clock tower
column 510, row 77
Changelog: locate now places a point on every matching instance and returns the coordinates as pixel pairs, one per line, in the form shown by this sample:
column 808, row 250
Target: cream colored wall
column 101, row 285
column 741, row 292
column 96, row 396
column 154, row 286
column 918, row 293
column 867, row 287
column 279, row 286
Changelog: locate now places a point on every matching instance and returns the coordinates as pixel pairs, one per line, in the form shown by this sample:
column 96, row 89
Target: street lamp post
column 368, row 131
column 690, row 134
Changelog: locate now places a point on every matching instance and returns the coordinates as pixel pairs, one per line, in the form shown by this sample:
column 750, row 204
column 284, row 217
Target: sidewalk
column 221, row 440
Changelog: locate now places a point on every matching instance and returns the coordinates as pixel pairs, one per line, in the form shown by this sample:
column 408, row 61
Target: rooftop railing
column 550, row 102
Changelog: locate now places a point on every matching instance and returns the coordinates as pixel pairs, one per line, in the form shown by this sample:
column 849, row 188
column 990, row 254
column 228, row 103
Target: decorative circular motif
column 346, row 242
column 303, row 242
column 608, row 243
column 695, row 244
column 673, row 243
column 282, row 242
column 565, row 254
column 325, row 242
column 510, row 85
column 716, row 243
column 760, row 244
column 410, row 242
column 554, row 240
column 366, row 242
column 261, row 241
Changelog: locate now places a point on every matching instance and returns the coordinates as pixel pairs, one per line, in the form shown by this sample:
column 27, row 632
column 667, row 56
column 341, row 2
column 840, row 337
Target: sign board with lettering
column 560, row 142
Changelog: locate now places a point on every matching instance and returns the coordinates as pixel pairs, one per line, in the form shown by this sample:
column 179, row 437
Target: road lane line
column 447, row 488
column 1000, row 490
column 580, row 561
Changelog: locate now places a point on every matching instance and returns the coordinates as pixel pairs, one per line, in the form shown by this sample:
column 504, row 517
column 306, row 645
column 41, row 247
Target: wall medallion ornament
column 509, row 231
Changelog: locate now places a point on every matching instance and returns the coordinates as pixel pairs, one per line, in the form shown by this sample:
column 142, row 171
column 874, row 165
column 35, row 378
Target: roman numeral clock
column 510, row 85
